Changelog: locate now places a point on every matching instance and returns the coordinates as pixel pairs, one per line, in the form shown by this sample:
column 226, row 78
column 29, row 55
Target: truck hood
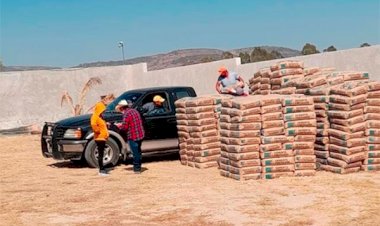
column 81, row 120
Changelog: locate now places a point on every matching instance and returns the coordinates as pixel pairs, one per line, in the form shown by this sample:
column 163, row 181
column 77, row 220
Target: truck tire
column 111, row 154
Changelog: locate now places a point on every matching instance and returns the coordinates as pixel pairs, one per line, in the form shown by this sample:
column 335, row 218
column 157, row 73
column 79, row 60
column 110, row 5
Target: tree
column 276, row 54
column 78, row 108
column 245, row 58
column 309, row 49
column 330, row 49
column 227, row 55
column 259, row 54
column 365, row 45
column 207, row 59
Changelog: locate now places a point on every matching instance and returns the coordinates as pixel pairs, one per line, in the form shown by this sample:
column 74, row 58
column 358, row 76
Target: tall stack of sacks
column 254, row 83
column 300, row 124
column 199, row 129
column 260, row 82
column 320, row 97
column 277, row 159
column 183, row 128
column 285, row 71
column 372, row 133
column 240, row 124
column 347, row 147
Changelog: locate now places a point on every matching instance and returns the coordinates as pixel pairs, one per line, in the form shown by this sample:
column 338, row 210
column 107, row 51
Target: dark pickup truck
column 72, row 138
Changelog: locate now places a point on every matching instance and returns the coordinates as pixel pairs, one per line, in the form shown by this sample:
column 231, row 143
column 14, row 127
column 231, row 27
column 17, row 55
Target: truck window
column 126, row 96
column 181, row 94
column 147, row 104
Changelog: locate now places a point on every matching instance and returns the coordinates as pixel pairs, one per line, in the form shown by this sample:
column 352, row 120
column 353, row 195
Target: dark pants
column 101, row 144
column 136, row 152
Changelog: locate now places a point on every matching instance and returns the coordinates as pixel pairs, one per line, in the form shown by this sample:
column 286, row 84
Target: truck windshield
column 125, row 96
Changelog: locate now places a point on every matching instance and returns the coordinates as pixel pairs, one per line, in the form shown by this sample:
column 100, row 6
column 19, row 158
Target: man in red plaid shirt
column 133, row 126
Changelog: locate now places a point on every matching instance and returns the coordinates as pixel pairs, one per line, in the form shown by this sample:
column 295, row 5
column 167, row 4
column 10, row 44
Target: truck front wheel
column 111, row 153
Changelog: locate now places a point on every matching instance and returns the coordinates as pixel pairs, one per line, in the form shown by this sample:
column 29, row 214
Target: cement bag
column 271, row 108
column 374, row 94
column 182, row 122
column 374, row 167
column 255, row 80
column 241, row 163
column 273, row 131
column 284, row 91
column 349, row 129
column 276, row 139
column 304, row 138
column 227, row 103
column 183, row 134
column 241, row 149
column 273, row 124
column 242, row 141
column 207, row 133
column 265, row 72
column 373, row 140
column 302, row 108
column 311, row 70
column 336, row 162
column 355, row 76
column 373, row 124
column 181, row 116
column 240, row 177
column 345, row 107
column 205, row 165
column 347, row 122
column 373, row 154
column 265, row 86
column 305, row 158
column 246, row 103
column 288, row 78
column 345, row 114
column 349, row 89
column 348, row 143
column 312, row 81
column 299, row 116
column 246, row 119
column 201, row 122
column 272, row 116
column 182, row 152
column 278, row 161
column 200, row 116
column 276, row 154
column 334, row 80
column 322, row 140
column 339, row 170
column 271, row 147
column 205, row 153
column 286, row 64
column 373, row 147
column 194, row 110
column 345, row 136
column 304, row 152
column 320, row 90
column 271, row 100
column 320, row 99
column 373, row 85
column 212, row 158
column 297, row 101
column 181, row 103
column 305, row 166
column 321, row 147
column 301, row 123
column 372, row 132
column 321, row 113
column 245, row 126
column 349, row 158
column 241, row 171
column 276, row 82
column 204, row 140
column 240, row 156
column 200, row 101
column 348, row 100
column 276, row 175
column 265, row 92
column 278, row 168
column 372, row 161
column 299, row 145
column 201, row 128
column 304, row 173
column 276, row 87
column 321, row 161
column 345, row 150
column 371, row 109
column 301, row 131
column 321, row 154
column 182, row 128
column 244, row 133
column 372, row 116
column 199, row 147
column 251, row 111
column 321, row 106
column 225, row 118
column 323, row 125
column 287, row 72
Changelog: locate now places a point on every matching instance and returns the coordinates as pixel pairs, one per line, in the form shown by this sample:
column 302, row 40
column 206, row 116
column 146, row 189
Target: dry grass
column 39, row 191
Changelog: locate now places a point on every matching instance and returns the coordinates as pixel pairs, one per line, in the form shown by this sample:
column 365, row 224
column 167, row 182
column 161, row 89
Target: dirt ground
column 39, row 191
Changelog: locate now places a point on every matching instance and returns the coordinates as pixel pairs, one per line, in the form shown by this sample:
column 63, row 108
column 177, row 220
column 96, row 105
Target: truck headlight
column 73, row 134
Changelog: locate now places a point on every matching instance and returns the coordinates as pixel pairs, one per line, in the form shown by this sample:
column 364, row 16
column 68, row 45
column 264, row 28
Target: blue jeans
column 135, row 146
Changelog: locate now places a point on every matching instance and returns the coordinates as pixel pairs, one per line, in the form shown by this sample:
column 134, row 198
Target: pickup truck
column 72, row 138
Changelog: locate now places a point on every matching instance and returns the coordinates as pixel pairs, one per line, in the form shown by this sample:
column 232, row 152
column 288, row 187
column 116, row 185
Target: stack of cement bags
column 285, row 71
column 300, row 123
column 277, row 159
column 260, row 82
column 240, row 124
column 197, row 132
column 347, row 147
column 372, row 117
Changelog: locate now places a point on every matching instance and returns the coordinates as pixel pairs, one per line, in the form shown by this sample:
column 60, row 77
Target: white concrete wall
column 34, row 96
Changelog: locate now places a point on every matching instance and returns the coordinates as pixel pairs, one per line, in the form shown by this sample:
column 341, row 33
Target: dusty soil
column 39, row 191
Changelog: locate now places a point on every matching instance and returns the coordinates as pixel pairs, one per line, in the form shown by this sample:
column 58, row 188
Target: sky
column 65, row 33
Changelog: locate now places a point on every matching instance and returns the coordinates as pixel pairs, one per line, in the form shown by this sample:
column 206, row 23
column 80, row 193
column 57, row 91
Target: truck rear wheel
column 111, row 153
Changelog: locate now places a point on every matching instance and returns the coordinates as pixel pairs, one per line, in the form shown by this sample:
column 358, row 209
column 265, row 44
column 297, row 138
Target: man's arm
column 217, row 87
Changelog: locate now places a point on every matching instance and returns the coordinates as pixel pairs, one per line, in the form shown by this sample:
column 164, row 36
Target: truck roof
column 159, row 88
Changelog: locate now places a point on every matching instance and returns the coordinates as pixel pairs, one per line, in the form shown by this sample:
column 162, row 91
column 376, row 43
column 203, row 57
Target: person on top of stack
column 229, row 83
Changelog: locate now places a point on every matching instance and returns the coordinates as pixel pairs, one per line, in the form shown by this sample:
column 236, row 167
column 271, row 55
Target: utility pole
column 121, row 45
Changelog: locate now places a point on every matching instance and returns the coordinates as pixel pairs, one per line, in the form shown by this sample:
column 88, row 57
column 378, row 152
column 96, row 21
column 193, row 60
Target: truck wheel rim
column 108, row 154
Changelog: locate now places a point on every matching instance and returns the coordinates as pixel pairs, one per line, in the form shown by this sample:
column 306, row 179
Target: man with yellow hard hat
column 155, row 107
